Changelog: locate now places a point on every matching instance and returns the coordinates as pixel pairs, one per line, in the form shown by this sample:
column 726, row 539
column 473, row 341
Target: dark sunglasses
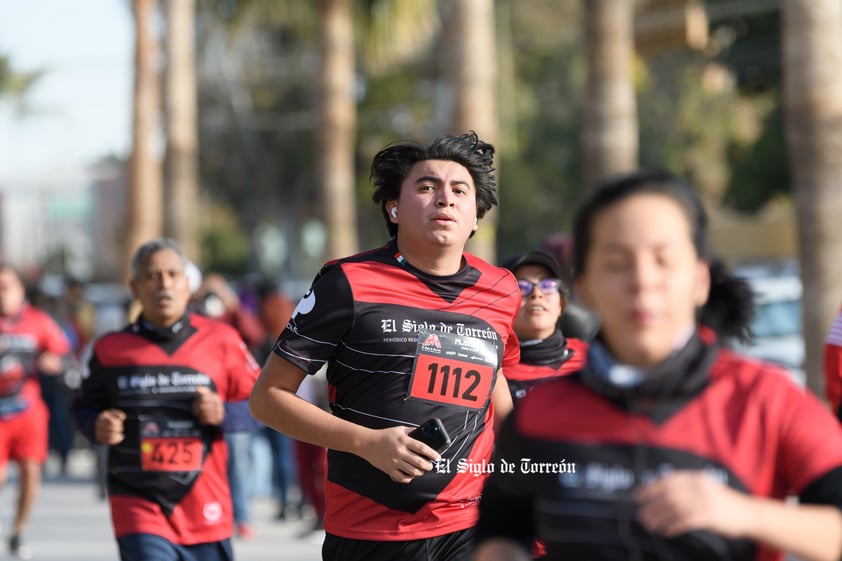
column 547, row 286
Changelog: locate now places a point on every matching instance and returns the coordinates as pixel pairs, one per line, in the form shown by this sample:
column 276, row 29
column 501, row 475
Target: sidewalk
column 70, row 523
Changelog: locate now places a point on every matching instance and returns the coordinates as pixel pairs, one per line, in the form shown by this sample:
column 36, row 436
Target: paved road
column 69, row 523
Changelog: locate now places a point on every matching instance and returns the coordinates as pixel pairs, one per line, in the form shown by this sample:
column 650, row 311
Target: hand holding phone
column 433, row 434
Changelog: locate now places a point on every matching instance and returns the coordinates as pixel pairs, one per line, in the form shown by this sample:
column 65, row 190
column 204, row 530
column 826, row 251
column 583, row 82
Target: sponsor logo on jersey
column 150, row 428
column 212, row 512
column 432, row 341
column 306, row 304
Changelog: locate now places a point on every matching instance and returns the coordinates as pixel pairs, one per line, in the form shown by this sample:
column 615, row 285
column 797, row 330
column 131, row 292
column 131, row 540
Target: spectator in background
column 216, row 299
column 81, row 314
column 32, row 345
column 274, row 309
column 310, row 459
column 833, row 366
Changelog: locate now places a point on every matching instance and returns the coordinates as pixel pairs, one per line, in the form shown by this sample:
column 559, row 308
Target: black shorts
column 458, row 546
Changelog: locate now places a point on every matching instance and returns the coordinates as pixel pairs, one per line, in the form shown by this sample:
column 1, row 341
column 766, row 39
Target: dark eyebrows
column 163, row 271
column 437, row 181
column 617, row 248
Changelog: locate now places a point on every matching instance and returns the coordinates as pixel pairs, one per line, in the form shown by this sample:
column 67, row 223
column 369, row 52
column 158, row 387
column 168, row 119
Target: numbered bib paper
column 168, row 445
column 453, row 369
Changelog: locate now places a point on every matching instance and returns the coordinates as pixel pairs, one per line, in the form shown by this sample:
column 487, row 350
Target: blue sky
column 81, row 108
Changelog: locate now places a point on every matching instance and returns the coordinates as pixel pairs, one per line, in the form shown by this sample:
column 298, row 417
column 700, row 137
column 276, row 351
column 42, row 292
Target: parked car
column 777, row 333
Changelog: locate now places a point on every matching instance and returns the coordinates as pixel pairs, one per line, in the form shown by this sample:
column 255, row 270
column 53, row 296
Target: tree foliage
column 709, row 116
column 749, row 44
column 16, row 84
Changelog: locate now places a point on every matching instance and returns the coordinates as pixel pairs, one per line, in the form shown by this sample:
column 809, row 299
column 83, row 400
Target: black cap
column 537, row 257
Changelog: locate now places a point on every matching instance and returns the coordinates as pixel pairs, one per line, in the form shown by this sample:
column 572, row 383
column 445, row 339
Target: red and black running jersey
column 576, row 456
column 833, row 365
column 168, row 476
column 567, row 356
column 402, row 346
column 23, row 337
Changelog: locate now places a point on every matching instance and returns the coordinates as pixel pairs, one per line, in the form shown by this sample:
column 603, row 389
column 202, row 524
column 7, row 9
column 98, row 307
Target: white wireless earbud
column 394, row 212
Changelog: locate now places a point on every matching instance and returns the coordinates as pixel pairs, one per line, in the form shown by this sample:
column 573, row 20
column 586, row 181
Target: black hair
column 391, row 166
column 729, row 308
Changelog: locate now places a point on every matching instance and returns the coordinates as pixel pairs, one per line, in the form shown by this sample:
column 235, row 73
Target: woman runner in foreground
column 667, row 445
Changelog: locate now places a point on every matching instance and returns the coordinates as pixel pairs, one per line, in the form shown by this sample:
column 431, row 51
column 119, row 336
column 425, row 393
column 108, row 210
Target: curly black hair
column 391, row 166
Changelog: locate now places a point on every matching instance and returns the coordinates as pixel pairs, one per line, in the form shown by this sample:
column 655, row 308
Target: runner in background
column 32, row 344
column 160, row 393
column 545, row 352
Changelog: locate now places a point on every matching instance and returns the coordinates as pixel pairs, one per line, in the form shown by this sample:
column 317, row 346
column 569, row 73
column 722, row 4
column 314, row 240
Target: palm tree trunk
column 145, row 191
column 337, row 128
column 610, row 137
column 181, row 208
column 470, row 28
column 812, row 56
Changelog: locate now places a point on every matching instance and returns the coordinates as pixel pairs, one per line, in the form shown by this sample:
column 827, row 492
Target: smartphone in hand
column 433, row 434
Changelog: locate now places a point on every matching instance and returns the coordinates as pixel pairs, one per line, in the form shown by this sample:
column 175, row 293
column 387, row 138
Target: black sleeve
column 826, row 490
column 90, row 399
column 321, row 319
column 505, row 510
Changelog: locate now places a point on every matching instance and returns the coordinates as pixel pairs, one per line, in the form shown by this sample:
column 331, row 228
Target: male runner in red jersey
column 30, row 343
column 413, row 330
column 160, row 392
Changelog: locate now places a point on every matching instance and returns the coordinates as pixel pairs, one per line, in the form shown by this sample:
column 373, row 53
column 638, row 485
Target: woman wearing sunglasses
column 545, row 353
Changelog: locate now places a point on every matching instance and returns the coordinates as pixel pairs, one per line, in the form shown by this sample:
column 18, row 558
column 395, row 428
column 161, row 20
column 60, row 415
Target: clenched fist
column 108, row 428
column 208, row 407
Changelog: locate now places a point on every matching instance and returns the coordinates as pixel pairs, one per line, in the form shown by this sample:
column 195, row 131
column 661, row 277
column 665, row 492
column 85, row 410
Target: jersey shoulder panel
column 215, row 328
column 50, row 333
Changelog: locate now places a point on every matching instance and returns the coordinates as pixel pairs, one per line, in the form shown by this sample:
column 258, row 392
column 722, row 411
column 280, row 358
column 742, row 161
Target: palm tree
column 337, row 127
column 383, row 33
column 812, row 56
column 145, row 190
column 392, row 31
column 181, row 188
column 14, row 84
column 610, row 137
column 472, row 66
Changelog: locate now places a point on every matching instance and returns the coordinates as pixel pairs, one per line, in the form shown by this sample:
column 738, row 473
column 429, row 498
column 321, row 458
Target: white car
column 777, row 334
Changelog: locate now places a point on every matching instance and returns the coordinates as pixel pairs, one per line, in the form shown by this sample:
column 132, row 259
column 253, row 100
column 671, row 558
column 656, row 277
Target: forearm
column 501, row 399
column 500, row 549
column 285, row 412
column 811, row 532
